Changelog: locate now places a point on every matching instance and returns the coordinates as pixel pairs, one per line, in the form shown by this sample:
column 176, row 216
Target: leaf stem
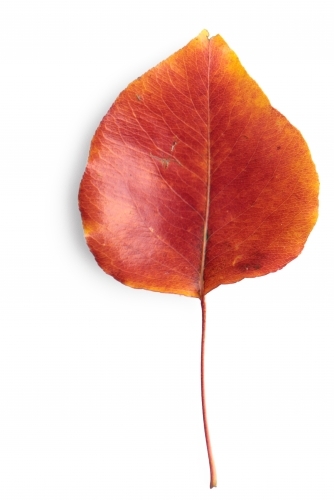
column 213, row 475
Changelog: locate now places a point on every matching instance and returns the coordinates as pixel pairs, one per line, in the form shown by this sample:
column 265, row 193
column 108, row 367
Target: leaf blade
column 194, row 180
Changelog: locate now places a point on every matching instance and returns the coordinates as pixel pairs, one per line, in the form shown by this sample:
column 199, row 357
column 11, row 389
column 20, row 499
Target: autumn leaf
column 194, row 180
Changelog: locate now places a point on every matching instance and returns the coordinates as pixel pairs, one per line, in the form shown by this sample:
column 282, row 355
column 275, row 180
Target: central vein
column 206, row 218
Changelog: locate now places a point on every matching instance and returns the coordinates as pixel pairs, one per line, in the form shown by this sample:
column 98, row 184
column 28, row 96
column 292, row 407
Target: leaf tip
column 203, row 34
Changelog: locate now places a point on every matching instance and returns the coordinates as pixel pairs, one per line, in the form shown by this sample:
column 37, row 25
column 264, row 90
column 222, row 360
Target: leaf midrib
column 207, row 208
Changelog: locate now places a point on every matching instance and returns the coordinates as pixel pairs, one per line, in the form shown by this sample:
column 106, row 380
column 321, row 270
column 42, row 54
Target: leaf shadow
column 77, row 168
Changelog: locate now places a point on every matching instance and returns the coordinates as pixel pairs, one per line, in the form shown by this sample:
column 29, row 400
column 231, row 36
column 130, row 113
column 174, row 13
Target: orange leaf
column 195, row 180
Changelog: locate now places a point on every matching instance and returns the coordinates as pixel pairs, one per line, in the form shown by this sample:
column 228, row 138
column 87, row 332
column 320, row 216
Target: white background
column 99, row 383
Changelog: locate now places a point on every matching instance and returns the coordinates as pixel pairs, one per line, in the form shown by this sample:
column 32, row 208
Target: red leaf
column 194, row 180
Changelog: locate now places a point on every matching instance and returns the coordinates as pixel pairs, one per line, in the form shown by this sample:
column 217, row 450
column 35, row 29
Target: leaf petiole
column 213, row 474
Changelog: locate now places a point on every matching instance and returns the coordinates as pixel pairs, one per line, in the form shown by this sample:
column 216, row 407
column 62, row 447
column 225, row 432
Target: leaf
column 194, row 180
